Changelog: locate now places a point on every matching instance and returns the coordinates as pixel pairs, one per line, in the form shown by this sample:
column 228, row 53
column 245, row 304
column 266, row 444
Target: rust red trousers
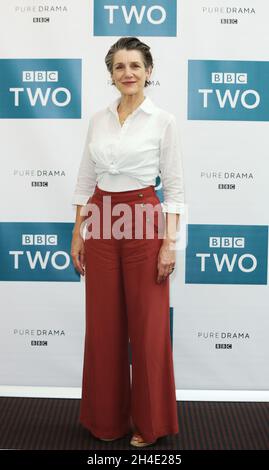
column 124, row 302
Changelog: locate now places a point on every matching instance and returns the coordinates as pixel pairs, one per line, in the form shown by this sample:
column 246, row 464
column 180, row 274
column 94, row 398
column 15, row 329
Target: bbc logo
column 41, row 20
column 229, row 78
column 226, row 242
column 39, row 343
column 39, row 239
column 40, row 76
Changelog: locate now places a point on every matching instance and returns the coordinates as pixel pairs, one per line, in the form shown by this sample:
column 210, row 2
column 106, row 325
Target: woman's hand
column 78, row 252
column 166, row 260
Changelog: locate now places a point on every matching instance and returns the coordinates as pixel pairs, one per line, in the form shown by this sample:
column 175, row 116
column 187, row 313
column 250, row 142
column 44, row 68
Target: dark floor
column 52, row 424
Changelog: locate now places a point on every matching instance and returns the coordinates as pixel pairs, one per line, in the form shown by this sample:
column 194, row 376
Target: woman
column 127, row 278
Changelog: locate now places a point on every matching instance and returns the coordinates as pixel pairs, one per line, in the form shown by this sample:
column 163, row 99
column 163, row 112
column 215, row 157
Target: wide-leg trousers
column 127, row 308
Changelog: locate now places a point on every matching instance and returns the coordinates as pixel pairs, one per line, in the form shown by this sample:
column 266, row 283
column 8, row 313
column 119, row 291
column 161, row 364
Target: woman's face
column 129, row 73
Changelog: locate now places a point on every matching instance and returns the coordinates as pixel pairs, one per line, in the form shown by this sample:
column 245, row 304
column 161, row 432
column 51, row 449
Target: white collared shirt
column 121, row 158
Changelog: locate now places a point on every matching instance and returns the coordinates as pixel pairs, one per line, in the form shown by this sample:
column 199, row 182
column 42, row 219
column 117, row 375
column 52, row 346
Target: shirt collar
column 147, row 106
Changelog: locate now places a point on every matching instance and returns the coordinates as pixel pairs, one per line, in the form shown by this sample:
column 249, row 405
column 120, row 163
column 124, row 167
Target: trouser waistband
column 126, row 196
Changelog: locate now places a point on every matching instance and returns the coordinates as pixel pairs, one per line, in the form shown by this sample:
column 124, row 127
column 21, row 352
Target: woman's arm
column 173, row 192
column 77, row 245
column 171, row 228
column 171, row 169
column 78, row 221
column 86, row 181
column 86, row 177
column 167, row 253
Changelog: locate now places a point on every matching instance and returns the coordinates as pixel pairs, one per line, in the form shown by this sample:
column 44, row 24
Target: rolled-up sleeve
column 171, row 170
column 86, row 177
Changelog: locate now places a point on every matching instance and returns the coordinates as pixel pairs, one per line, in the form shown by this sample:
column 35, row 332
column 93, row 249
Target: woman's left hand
column 166, row 261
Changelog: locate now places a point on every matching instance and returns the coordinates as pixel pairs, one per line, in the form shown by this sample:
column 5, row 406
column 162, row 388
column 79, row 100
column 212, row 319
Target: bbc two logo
column 228, row 90
column 227, row 254
column 36, row 252
column 40, row 88
column 135, row 18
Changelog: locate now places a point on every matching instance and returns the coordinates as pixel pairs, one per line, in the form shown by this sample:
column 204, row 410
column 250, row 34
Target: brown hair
column 129, row 43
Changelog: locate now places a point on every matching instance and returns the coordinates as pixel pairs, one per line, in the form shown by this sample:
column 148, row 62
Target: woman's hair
column 129, row 43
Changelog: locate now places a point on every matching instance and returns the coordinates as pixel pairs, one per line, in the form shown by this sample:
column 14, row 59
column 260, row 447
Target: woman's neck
column 128, row 103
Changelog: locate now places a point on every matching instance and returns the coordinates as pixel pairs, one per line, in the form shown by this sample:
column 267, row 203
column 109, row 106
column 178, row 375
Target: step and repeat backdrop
column 211, row 70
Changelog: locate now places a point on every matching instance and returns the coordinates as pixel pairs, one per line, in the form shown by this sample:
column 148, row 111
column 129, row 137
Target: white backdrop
column 219, row 310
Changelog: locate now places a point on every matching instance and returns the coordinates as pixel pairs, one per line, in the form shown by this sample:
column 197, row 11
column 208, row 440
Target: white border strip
column 40, row 392
column 182, row 395
column 223, row 395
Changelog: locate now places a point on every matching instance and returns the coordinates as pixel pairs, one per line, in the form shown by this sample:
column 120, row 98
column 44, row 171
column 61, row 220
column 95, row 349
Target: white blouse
column 131, row 156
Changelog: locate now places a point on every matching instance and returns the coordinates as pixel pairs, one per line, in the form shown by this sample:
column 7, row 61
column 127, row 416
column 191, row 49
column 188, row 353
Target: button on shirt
column 122, row 158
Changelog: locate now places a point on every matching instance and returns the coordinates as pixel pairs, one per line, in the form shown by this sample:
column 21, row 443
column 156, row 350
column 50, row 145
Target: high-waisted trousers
column 127, row 314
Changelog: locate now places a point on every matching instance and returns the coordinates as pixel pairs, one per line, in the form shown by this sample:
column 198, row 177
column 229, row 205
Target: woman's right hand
column 78, row 253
